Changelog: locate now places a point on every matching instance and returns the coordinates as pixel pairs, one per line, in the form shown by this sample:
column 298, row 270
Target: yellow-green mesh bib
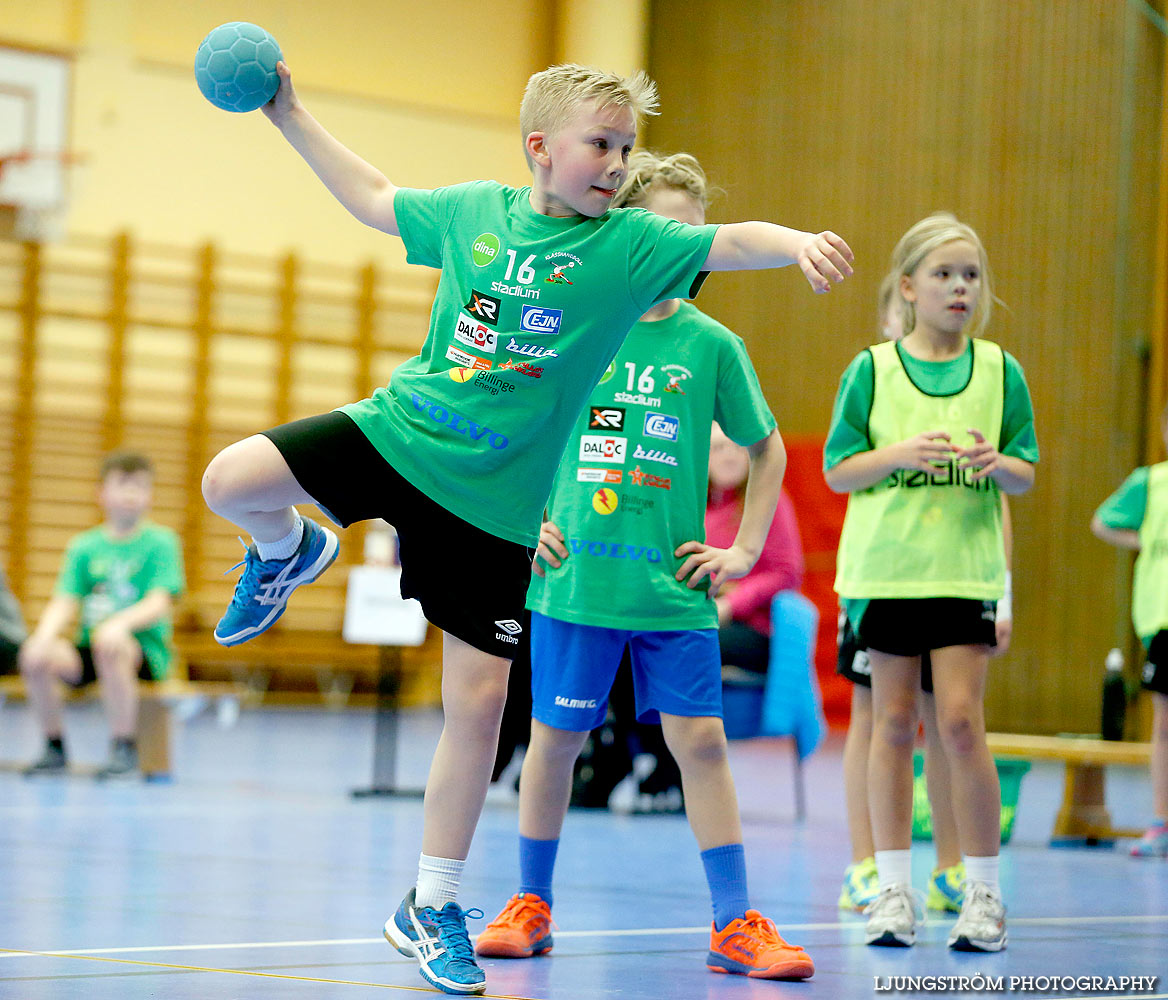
column 922, row 534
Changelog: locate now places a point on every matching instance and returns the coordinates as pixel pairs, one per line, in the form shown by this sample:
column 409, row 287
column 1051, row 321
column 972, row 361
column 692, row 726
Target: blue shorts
column 573, row 668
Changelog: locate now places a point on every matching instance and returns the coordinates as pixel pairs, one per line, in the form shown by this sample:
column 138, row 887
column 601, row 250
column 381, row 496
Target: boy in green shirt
column 539, row 286
column 627, row 569
column 1135, row 517
column 118, row 581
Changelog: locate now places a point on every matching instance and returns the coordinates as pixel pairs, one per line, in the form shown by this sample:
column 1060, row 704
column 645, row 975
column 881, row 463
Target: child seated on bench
column 118, row 581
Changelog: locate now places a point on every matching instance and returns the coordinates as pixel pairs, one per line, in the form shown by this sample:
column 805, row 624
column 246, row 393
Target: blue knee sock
column 537, row 862
column 726, row 874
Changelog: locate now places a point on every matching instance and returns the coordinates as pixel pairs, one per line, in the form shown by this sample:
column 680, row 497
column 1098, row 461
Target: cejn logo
column 473, row 334
column 661, row 425
column 483, row 307
column 609, row 418
column 484, row 249
column 537, row 319
column 599, row 448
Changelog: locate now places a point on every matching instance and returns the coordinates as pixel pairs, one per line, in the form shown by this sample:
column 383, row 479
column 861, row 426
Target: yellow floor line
column 242, row 972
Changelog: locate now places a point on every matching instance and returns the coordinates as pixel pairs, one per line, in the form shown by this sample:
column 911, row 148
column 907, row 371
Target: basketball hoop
column 34, row 193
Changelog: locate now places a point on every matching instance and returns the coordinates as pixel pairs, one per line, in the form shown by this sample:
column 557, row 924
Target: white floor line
column 623, row 932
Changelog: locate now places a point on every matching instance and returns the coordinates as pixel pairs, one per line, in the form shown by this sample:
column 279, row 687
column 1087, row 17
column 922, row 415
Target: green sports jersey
column 529, row 311
column 1141, row 504
column 1124, row 509
column 848, row 433
column 631, row 486
column 108, row 574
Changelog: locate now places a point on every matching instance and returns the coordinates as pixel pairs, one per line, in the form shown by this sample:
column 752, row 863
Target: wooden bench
column 1083, row 814
column 157, row 700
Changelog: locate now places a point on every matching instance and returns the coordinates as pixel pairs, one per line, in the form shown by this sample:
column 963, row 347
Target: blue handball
column 235, row 66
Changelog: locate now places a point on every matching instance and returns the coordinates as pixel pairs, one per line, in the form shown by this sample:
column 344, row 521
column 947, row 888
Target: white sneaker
column 893, row 917
column 982, row 924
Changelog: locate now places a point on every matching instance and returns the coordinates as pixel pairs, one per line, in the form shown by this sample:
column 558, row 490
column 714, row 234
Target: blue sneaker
column 1153, row 844
column 264, row 587
column 438, row 940
column 861, row 886
column 947, row 888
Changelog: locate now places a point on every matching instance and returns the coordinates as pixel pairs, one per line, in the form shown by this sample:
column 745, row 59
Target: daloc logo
column 537, row 319
column 661, row 425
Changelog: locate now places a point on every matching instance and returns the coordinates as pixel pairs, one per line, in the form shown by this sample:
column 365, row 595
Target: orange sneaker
column 752, row 946
column 523, row 929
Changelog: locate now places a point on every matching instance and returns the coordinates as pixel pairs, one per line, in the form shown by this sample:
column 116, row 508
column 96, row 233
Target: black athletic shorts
column 89, row 669
column 1155, row 675
column 913, row 626
column 470, row 583
column 853, row 663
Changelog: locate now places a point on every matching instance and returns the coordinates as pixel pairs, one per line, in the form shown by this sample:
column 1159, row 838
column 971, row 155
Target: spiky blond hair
column 553, row 96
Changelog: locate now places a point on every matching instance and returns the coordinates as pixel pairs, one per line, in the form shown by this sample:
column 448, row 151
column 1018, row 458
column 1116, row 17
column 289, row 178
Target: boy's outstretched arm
column 768, row 464
column 752, row 246
column 363, row 189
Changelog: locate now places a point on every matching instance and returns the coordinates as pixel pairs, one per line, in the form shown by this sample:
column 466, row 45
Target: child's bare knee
column 698, row 741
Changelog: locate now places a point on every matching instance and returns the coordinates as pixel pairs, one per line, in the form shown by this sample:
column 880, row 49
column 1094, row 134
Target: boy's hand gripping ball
column 235, row 66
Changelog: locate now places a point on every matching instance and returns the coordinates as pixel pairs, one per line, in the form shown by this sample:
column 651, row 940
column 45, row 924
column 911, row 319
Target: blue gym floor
column 255, row 875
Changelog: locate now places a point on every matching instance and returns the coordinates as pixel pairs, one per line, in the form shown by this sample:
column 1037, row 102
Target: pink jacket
column 780, row 567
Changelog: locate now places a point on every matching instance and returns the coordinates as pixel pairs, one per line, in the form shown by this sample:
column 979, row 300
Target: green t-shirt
column 631, row 486
column 848, row 434
column 529, row 311
column 109, row 574
column 1124, row 509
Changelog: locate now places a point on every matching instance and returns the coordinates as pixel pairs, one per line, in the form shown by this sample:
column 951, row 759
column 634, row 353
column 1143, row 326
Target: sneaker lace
column 982, row 903
column 522, row 911
column 763, row 929
column 253, row 586
column 451, row 924
column 914, row 899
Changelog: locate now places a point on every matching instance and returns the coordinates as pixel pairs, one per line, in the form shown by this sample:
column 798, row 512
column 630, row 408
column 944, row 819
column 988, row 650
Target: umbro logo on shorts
column 511, row 628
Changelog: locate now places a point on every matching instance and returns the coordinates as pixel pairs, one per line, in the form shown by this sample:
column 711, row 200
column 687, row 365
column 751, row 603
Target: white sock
column 284, row 547
column 894, row 868
column 983, row 870
column 438, row 880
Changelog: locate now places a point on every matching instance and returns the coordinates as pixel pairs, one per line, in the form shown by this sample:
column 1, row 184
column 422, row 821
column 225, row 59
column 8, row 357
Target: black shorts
column 1155, row 674
column 853, row 663
column 470, row 583
column 89, row 669
column 913, row 626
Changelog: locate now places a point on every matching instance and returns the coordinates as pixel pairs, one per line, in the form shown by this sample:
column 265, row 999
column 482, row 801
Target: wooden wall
column 1038, row 123
column 178, row 352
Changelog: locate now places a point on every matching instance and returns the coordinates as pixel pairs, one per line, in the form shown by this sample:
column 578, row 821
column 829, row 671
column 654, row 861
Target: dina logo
column 484, row 249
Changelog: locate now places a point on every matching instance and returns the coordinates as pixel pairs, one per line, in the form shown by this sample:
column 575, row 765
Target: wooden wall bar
column 1037, row 122
column 176, row 352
